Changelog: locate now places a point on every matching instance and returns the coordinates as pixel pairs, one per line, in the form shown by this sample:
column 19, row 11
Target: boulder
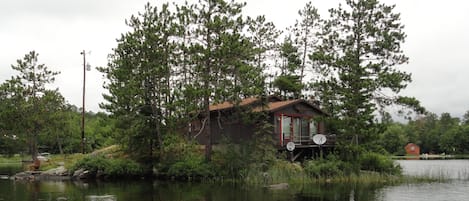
column 81, row 174
column 60, row 171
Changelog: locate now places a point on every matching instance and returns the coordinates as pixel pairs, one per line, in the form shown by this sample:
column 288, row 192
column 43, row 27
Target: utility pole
column 83, row 104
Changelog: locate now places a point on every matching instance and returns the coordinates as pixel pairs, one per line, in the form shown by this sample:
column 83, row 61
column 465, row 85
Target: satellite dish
column 290, row 146
column 319, row 139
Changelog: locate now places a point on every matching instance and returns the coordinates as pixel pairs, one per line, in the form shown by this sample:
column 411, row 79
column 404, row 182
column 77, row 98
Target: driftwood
column 201, row 129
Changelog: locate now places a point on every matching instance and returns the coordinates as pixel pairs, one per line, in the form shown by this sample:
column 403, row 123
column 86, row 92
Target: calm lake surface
column 456, row 188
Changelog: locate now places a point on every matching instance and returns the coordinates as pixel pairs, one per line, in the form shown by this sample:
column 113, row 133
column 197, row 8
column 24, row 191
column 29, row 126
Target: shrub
column 378, row 163
column 230, row 160
column 324, row 168
column 281, row 171
column 190, row 166
column 110, row 168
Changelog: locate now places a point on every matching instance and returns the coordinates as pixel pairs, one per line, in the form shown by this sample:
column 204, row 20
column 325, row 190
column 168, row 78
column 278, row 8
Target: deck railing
column 308, row 140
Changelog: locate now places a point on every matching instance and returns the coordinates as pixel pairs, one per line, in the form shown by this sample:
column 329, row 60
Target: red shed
column 412, row 149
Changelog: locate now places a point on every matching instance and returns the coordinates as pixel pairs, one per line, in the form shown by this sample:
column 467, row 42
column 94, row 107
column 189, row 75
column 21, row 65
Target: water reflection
column 101, row 198
column 454, row 189
column 167, row 191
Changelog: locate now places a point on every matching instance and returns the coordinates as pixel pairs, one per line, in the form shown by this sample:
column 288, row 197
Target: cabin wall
column 225, row 125
column 298, row 131
column 223, row 128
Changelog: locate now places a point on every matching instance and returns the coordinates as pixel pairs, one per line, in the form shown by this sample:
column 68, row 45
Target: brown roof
column 271, row 106
column 227, row 104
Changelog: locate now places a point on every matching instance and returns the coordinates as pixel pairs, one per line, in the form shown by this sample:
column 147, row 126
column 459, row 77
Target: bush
column 230, row 160
column 110, row 168
column 189, row 167
column 281, row 171
column 324, row 168
column 378, row 163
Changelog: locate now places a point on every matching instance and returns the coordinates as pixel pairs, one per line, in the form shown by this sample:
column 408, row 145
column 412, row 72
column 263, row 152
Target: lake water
column 455, row 188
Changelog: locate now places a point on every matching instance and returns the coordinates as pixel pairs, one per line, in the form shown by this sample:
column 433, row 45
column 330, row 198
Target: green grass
column 68, row 160
column 13, row 159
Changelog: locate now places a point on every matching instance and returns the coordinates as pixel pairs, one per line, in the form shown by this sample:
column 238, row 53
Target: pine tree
column 289, row 82
column 31, row 95
column 264, row 37
column 140, row 78
column 359, row 49
column 305, row 31
column 222, row 55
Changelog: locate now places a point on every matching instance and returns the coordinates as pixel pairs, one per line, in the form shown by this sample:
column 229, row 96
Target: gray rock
column 60, row 171
column 24, row 176
column 78, row 172
column 81, row 174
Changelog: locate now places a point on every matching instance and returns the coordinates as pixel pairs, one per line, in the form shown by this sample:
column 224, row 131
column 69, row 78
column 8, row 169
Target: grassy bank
column 111, row 162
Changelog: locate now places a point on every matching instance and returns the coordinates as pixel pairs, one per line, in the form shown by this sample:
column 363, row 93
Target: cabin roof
column 227, row 104
column 274, row 104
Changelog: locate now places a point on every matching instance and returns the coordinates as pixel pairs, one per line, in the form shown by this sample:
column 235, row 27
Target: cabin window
column 286, row 127
column 295, row 128
column 313, row 128
column 305, row 127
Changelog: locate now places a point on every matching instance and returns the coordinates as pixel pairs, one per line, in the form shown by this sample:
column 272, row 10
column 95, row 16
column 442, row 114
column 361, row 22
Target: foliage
column 109, row 167
column 193, row 166
column 323, row 168
column 230, row 160
column 262, row 150
column 359, row 47
column 172, row 65
column 30, row 104
column 182, row 159
column 288, row 82
column 436, row 134
column 305, row 31
column 379, row 163
column 393, row 139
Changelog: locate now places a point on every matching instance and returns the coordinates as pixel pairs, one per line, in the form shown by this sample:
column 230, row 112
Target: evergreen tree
column 175, row 63
column 359, row 47
column 31, row 105
column 264, row 36
column 305, row 31
column 289, row 82
column 140, row 80
column 222, row 55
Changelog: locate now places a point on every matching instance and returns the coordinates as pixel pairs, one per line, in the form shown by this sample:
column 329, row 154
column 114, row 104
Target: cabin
column 294, row 120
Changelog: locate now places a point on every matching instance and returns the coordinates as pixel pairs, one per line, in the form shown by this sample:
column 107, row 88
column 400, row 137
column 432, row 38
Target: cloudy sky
column 437, row 42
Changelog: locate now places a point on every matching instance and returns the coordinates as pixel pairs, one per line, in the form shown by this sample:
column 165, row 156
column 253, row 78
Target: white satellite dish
column 319, row 139
column 290, row 146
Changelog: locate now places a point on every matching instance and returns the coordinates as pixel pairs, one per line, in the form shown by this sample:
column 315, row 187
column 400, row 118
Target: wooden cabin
column 294, row 120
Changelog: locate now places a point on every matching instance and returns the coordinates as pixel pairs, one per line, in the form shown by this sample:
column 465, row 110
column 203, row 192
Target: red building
column 412, row 149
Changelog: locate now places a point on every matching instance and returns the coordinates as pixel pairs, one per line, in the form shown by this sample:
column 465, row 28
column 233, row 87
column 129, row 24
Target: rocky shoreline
column 57, row 174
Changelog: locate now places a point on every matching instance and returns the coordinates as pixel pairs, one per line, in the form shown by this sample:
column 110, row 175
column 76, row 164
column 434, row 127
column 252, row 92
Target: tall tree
column 173, row 64
column 305, row 31
column 29, row 89
column 289, row 82
column 222, row 56
column 264, row 37
column 140, row 83
column 358, row 51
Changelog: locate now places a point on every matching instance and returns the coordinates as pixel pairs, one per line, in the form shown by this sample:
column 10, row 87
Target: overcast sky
column 437, row 42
